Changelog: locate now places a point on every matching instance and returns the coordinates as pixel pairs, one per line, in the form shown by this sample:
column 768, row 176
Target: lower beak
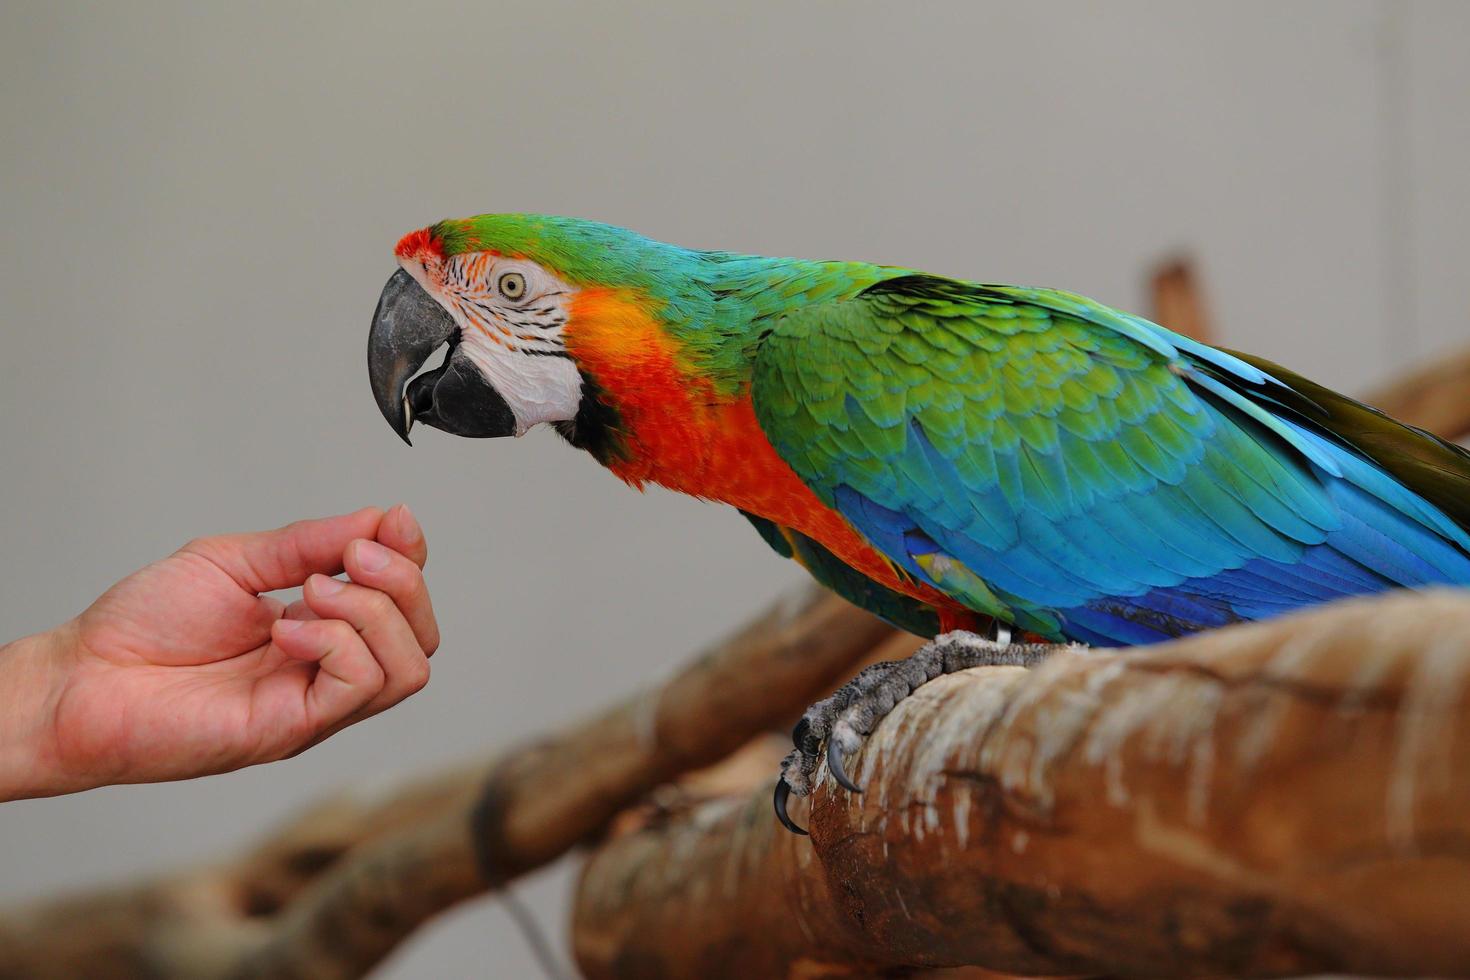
column 408, row 326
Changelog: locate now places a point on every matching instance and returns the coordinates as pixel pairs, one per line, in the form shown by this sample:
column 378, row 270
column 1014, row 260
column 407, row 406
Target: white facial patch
column 511, row 313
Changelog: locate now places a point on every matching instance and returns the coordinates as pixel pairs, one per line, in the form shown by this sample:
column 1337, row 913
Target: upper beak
column 408, row 326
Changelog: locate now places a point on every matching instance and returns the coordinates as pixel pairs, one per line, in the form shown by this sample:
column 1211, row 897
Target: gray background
column 198, row 205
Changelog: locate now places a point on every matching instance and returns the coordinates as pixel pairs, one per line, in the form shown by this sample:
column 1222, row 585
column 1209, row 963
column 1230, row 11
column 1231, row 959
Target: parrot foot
column 844, row 720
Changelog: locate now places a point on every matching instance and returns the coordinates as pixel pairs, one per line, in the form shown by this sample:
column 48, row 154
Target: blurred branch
column 1284, row 797
column 1434, row 397
column 334, row 892
column 1178, row 300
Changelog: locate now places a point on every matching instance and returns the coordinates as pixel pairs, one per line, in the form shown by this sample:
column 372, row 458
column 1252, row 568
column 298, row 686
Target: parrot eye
column 512, row 285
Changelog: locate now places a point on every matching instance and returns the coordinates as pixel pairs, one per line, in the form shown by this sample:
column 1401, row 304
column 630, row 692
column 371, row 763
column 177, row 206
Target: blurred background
column 198, row 204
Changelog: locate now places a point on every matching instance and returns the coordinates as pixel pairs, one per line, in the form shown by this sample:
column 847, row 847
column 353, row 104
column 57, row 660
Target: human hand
column 184, row 668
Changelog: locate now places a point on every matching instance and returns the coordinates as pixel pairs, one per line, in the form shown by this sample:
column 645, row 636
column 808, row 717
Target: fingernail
column 408, row 525
column 325, row 585
column 289, row 625
column 371, row 555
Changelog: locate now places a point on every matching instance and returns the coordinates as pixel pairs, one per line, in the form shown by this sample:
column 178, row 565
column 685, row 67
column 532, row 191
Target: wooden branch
column 338, row 889
column 1284, row 797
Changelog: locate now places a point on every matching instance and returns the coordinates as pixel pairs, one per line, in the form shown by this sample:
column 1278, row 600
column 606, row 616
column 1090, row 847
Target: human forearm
column 31, row 681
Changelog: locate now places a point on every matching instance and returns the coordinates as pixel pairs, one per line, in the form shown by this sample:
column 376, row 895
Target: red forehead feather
column 417, row 243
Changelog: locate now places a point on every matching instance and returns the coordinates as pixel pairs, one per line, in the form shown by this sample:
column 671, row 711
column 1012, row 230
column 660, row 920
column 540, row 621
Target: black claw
column 834, row 766
column 783, row 792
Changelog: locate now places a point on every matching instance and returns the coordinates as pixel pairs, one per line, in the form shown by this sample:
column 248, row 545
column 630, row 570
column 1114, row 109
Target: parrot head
column 500, row 292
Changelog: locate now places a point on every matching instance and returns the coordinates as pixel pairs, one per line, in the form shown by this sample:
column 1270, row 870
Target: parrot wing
column 1084, row 473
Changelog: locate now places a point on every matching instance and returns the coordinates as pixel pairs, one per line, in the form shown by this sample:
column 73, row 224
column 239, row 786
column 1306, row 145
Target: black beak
column 408, row 326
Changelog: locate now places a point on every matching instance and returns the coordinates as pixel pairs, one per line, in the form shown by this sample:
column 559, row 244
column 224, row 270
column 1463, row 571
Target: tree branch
column 1284, row 797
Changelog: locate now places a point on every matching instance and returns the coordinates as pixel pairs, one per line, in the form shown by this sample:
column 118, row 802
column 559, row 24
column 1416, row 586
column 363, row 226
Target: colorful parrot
column 944, row 453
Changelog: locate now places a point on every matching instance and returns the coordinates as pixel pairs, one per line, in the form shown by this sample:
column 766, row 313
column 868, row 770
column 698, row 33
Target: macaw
column 944, row 453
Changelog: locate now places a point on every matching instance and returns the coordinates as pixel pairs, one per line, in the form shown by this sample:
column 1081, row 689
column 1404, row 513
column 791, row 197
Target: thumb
column 263, row 561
